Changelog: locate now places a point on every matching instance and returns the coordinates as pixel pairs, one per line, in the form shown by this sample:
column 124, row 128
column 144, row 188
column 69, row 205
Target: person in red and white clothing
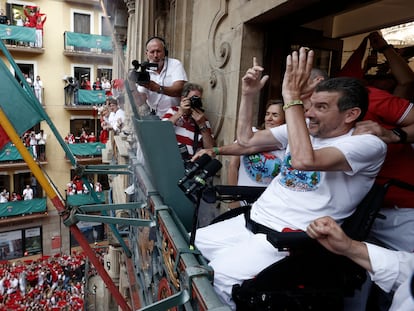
column 192, row 128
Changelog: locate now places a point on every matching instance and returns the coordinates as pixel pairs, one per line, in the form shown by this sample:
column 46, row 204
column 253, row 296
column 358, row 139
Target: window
column 82, row 75
column 104, row 73
column 19, row 243
column 27, row 69
column 15, row 14
column 89, row 125
column 106, row 28
column 82, row 23
column 33, row 241
column 93, row 232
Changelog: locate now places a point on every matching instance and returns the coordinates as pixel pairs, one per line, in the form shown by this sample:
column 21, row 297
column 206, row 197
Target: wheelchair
column 310, row 278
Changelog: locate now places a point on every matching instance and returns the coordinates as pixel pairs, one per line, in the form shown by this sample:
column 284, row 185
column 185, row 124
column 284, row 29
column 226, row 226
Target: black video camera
column 142, row 76
column 195, row 103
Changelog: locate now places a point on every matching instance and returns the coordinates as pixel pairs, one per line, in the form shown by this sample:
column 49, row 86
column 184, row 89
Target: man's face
column 113, row 107
column 156, row 52
column 325, row 119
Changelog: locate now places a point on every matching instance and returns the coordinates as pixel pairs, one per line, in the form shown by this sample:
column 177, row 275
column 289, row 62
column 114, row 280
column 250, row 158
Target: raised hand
column 252, row 81
column 298, row 70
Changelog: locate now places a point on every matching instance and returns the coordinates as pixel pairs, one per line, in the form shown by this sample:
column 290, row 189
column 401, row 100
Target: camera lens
column 195, row 102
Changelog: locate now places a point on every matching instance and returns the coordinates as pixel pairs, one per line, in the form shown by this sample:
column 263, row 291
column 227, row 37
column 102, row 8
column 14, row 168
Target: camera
column 142, row 76
column 195, row 103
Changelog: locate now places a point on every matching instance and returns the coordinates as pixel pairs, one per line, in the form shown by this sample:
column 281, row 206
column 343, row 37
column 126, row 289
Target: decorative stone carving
column 218, row 58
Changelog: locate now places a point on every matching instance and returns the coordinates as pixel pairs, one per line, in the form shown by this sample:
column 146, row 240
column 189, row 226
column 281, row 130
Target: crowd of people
column 36, row 142
column 30, row 17
column 100, row 84
column 77, row 186
column 83, row 137
column 47, row 283
column 111, row 117
column 27, row 194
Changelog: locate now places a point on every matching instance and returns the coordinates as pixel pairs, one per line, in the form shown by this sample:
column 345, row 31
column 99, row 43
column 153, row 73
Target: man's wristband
column 216, row 150
column 292, row 103
column 161, row 90
column 401, row 134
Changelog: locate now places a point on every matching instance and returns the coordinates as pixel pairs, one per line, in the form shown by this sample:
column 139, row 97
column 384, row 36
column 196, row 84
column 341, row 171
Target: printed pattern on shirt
column 298, row 180
column 262, row 167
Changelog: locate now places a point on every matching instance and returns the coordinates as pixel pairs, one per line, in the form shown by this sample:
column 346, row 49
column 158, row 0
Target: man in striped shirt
column 192, row 129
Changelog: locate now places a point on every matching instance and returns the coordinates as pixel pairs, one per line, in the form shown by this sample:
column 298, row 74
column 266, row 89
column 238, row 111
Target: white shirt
column 295, row 198
column 259, row 169
column 38, row 84
column 172, row 71
column 41, row 139
column 393, row 270
column 28, row 193
column 116, row 119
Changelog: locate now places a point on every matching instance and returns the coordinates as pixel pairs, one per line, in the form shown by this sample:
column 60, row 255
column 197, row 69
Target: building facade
column 75, row 47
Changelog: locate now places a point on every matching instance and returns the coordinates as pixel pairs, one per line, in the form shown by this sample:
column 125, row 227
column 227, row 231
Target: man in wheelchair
column 326, row 170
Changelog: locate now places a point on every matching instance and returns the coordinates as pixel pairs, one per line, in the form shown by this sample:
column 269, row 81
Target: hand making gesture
column 253, row 82
column 297, row 74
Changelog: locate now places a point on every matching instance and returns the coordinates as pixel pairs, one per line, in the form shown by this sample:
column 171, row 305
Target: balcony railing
column 85, row 199
column 9, row 153
column 81, row 43
column 78, row 97
column 23, row 207
column 19, row 37
column 87, row 149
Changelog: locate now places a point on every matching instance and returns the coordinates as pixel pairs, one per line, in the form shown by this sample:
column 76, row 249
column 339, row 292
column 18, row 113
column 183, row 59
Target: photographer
column 163, row 88
column 192, row 128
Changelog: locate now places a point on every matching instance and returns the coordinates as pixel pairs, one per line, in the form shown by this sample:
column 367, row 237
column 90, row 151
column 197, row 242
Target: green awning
column 87, row 149
column 91, row 97
column 10, row 153
column 84, row 199
column 18, row 33
column 83, row 40
column 24, row 207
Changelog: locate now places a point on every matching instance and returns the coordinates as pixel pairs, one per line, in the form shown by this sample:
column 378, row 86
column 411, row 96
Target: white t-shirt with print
column 259, row 169
column 295, row 198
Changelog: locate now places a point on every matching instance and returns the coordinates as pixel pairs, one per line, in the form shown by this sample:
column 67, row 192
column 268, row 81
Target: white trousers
column 235, row 254
column 396, row 231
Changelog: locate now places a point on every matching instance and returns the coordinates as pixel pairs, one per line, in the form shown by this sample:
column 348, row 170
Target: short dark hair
column 354, row 93
column 271, row 102
column 318, row 72
column 188, row 87
column 112, row 101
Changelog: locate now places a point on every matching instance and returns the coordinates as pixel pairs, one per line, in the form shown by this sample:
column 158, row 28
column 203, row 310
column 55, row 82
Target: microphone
column 198, row 164
column 200, row 180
